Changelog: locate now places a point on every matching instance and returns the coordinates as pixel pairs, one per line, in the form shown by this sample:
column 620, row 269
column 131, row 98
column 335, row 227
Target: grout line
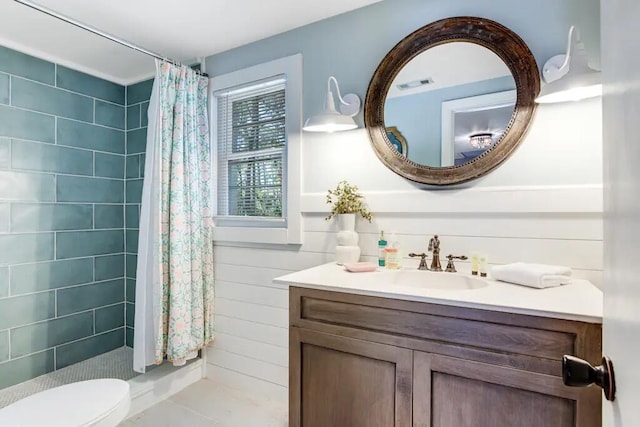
column 77, row 285
column 55, row 304
column 10, row 88
column 55, row 85
column 65, row 118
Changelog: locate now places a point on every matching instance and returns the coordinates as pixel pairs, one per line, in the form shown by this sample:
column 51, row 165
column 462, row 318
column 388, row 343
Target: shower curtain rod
column 98, row 32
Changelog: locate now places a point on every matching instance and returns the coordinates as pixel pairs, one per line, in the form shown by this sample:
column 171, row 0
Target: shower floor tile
column 114, row 364
column 207, row 403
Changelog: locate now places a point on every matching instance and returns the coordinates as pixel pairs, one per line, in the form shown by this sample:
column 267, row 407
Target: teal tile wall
column 63, row 162
column 137, row 105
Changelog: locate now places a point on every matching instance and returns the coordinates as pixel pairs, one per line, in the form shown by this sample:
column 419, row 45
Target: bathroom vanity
column 401, row 349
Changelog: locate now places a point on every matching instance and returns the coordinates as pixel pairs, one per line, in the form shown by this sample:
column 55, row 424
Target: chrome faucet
column 434, row 246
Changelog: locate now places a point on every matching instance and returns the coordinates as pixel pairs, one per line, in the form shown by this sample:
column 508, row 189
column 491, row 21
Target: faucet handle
column 423, row 262
column 451, row 268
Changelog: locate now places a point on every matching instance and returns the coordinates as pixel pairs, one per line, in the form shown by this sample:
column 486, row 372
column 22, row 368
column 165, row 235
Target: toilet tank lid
column 77, row 404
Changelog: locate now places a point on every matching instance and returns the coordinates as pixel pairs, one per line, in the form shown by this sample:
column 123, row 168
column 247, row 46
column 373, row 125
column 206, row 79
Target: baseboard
column 161, row 383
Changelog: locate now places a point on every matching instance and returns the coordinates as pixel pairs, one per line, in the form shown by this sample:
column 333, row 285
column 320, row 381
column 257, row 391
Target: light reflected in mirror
column 449, row 104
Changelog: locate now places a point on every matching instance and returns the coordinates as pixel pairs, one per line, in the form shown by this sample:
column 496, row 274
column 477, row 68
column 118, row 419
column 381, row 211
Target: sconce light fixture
column 569, row 77
column 332, row 120
column 481, row 140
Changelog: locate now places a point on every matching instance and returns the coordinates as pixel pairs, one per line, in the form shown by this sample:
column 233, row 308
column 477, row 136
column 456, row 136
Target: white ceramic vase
column 347, row 250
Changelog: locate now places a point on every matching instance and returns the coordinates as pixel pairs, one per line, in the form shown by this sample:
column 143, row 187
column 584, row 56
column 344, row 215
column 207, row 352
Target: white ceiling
column 450, row 64
column 182, row 30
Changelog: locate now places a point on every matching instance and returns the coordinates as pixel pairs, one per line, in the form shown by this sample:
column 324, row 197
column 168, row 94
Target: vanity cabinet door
column 344, row 382
column 451, row 392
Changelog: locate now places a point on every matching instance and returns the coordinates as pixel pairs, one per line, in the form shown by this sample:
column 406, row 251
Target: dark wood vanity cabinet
column 367, row 361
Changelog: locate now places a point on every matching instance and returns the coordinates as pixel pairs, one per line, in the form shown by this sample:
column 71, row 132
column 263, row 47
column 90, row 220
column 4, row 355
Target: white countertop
column 580, row 300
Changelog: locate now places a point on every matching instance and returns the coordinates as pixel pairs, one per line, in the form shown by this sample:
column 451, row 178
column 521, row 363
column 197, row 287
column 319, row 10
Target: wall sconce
column 481, row 141
column 331, row 120
column 569, row 77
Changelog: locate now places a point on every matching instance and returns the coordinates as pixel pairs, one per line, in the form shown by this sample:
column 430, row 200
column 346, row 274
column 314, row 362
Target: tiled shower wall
column 137, row 104
column 62, row 240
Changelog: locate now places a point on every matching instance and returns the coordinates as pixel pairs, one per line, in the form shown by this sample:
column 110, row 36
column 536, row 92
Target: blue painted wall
column 419, row 117
column 350, row 46
column 62, row 243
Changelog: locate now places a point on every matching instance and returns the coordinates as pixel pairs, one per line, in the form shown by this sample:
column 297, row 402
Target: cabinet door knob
column 579, row 373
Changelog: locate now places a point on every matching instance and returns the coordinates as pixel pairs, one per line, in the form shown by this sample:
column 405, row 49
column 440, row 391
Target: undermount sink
column 433, row 280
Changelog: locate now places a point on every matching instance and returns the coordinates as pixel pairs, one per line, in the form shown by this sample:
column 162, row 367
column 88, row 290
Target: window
column 256, row 117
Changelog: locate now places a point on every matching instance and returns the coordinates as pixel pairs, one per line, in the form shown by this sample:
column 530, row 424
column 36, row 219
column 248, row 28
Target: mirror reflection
column 449, row 104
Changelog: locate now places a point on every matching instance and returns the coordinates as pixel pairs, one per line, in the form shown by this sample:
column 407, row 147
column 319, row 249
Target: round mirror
column 451, row 101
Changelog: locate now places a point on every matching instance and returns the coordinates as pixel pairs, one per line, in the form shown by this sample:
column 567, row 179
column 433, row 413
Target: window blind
column 252, row 150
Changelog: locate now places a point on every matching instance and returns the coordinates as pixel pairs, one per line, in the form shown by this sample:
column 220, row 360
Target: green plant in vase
column 346, row 199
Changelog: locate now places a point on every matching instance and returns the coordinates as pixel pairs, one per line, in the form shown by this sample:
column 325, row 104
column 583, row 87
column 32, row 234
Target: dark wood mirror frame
column 495, row 37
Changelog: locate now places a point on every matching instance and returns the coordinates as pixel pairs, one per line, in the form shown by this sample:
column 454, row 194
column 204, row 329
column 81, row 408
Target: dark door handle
column 579, row 373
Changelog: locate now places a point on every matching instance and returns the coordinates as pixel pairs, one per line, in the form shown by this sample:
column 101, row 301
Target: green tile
column 85, row 135
column 28, row 278
column 90, row 85
column 131, row 241
column 25, row 368
column 133, row 166
column 137, row 141
column 142, row 159
column 109, row 318
column 109, row 267
column 46, row 99
column 4, row 217
column 130, row 315
column 39, row 336
column 49, row 216
column 131, row 216
column 82, row 350
column 109, row 216
column 22, row 65
column 133, row 117
column 4, row 346
column 89, row 190
column 132, row 265
column 26, row 309
column 139, row 92
column 129, row 337
column 130, row 291
column 144, row 116
column 74, row 244
column 27, row 186
column 4, row 282
column 22, row 248
column 5, row 153
column 39, row 157
column 4, row 89
column 134, row 190
column 111, row 115
column 110, row 165
column 23, row 124
column 85, row 297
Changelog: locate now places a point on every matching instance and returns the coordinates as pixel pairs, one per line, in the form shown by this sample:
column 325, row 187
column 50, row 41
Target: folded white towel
column 533, row 275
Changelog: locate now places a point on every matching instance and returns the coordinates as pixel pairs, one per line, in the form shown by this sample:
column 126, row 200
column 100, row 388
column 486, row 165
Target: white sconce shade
column 332, row 120
column 569, row 77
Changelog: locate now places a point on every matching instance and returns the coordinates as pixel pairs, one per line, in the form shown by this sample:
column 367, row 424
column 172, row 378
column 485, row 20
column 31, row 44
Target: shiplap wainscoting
column 251, row 347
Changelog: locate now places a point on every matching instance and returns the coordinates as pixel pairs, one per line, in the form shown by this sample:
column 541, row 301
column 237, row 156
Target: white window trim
column 291, row 67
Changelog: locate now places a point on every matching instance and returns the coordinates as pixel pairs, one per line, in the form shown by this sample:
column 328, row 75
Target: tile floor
column 206, row 403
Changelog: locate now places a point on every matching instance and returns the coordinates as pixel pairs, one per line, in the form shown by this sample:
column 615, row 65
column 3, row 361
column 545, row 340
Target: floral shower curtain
column 174, row 289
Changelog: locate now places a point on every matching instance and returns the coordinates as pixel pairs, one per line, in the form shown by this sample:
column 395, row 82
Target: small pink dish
column 360, row 267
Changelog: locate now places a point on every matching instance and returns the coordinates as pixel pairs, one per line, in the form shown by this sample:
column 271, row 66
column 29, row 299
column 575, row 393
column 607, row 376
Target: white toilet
column 103, row 403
